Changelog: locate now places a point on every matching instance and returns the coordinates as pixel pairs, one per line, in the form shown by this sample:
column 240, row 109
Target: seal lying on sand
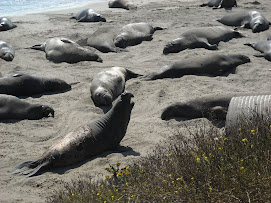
column 264, row 47
column 6, row 24
column 216, row 64
column 88, row 15
column 13, row 108
column 207, row 38
column 6, row 51
column 247, row 19
column 103, row 40
column 220, row 4
column 26, row 85
column 209, row 106
column 122, row 4
column 109, row 84
column 65, row 50
column 135, row 33
column 87, row 141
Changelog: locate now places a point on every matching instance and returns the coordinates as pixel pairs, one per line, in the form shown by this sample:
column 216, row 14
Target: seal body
column 208, row 106
column 26, row 85
column 65, row 50
column 87, row 141
column 214, row 65
column 13, row 108
column 207, row 38
column 125, row 4
column 103, row 40
column 264, row 47
column 220, row 3
column 89, row 15
column 6, row 51
column 109, row 84
column 135, row 33
column 6, row 24
column 247, row 19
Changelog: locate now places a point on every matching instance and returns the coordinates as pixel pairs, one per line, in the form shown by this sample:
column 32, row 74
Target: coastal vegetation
column 208, row 165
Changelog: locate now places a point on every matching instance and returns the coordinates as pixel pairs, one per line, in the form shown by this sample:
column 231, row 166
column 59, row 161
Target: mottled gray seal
column 214, row 65
column 247, row 19
column 86, row 141
column 65, row 50
column 103, row 40
column 6, row 51
column 6, row 24
column 107, row 85
column 122, row 4
column 264, row 47
column 207, row 38
column 135, row 33
column 13, row 108
column 88, row 15
column 26, row 85
column 220, row 4
column 208, row 106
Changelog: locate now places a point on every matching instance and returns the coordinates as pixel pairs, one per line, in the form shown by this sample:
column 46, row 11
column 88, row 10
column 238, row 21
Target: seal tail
column 203, row 5
column 131, row 74
column 249, row 44
column 30, row 168
column 158, row 28
column 73, row 17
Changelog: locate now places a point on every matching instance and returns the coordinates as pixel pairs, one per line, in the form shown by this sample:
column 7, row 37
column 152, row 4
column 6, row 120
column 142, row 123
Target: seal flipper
column 130, row 74
column 40, row 47
column 30, row 168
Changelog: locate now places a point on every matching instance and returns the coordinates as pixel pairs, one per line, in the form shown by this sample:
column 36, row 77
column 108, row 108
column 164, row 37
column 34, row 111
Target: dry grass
column 206, row 167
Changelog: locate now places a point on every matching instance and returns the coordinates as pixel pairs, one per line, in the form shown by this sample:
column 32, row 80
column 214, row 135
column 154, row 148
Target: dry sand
column 27, row 140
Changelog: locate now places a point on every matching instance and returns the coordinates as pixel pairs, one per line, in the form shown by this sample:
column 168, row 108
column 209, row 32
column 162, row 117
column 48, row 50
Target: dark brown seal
column 87, row 141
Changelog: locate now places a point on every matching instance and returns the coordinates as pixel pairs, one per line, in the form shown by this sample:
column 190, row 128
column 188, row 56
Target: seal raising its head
column 87, row 141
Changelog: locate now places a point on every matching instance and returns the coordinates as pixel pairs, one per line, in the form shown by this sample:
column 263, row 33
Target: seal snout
column 126, row 96
column 46, row 111
column 8, row 56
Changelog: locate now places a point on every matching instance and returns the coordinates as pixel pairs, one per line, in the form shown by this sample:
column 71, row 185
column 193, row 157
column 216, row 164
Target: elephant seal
column 207, row 38
column 13, row 108
column 135, row 33
column 208, row 106
column 216, row 64
column 65, row 50
column 88, row 15
column 107, row 85
column 86, row 141
column 247, row 19
column 220, row 4
column 6, row 51
column 6, row 24
column 103, row 40
column 262, row 46
column 26, row 85
column 125, row 4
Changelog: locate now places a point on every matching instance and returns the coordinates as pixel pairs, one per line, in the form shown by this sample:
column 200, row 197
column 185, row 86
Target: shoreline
column 59, row 9
column 28, row 139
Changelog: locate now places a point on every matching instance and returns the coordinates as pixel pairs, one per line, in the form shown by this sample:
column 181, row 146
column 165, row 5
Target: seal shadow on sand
column 124, row 150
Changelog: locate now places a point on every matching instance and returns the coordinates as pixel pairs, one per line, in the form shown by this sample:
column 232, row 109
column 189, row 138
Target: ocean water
column 20, row 7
